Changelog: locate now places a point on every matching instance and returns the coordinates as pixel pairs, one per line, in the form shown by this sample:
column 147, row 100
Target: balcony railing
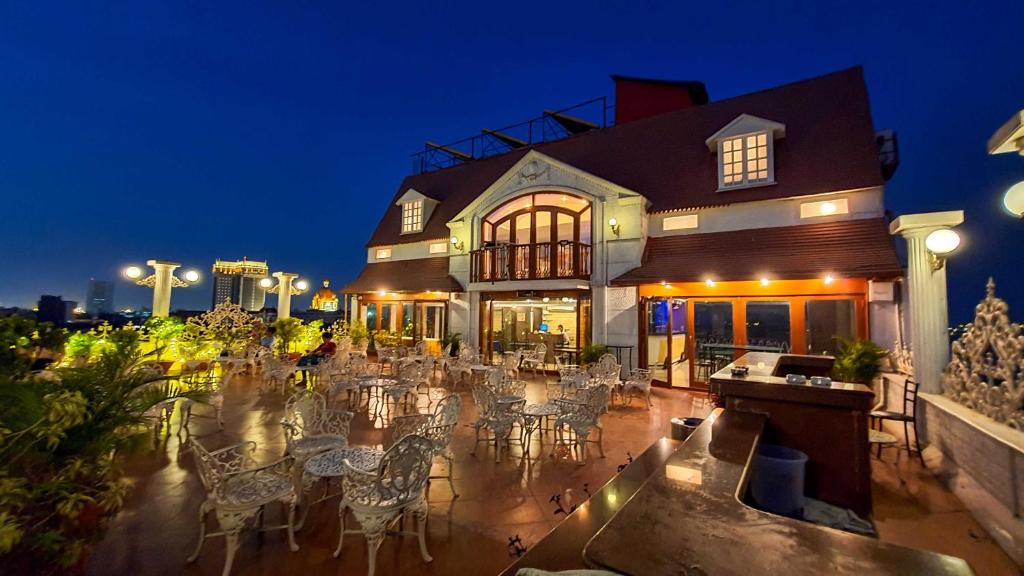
column 543, row 261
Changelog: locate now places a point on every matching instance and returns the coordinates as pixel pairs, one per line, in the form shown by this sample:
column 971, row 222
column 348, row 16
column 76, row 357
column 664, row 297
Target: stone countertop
column 688, row 519
column 760, row 383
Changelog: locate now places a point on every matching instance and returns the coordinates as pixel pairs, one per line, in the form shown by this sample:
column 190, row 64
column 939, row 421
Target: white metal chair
column 582, row 416
column 639, row 381
column 379, row 498
column 310, row 428
column 237, row 491
column 496, row 417
column 438, row 426
column 534, row 359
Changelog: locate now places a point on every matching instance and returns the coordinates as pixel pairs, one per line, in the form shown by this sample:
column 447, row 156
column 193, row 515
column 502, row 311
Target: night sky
column 280, row 130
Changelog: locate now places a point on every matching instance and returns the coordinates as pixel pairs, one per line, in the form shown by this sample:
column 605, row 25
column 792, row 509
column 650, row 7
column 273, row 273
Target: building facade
column 99, row 297
column 238, row 282
column 687, row 233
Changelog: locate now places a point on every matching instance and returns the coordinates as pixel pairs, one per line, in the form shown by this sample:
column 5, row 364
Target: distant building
column 99, row 297
column 54, row 309
column 239, row 282
column 325, row 300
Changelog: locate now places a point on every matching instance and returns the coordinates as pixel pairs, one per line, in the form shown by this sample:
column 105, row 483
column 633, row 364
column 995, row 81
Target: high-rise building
column 99, row 297
column 54, row 309
column 239, row 282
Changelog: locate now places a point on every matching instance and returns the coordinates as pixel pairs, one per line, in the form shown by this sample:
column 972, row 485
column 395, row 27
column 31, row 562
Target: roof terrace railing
column 552, row 125
column 540, row 261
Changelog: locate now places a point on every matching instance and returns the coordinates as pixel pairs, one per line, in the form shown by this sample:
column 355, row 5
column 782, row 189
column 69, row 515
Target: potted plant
column 454, row 339
column 858, row 361
column 288, row 331
column 61, row 446
column 592, row 353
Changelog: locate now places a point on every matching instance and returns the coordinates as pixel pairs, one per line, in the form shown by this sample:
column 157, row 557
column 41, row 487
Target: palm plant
column 60, row 445
column 858, row 361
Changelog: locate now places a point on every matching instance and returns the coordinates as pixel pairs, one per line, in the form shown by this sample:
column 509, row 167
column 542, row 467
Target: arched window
column 541, row 235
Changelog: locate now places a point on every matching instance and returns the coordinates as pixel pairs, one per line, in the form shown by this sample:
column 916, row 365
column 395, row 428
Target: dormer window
column 744, row 160
column 412, row 216
column 745, row 149
column 416, row 210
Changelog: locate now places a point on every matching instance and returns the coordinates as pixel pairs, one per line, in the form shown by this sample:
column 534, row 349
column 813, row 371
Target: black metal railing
column 541, row 261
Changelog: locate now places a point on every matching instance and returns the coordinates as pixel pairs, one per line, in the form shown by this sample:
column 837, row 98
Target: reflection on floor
column 468, row 535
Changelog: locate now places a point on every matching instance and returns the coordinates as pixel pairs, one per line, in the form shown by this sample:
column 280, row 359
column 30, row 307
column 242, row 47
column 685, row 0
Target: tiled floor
column 468, row 534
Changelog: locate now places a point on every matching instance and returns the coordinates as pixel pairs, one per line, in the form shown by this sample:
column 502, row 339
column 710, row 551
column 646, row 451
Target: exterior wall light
column 1013, row 200
column 709, row 283
column 940, row 243
column 457, row 244
column 764, row 281
column 829, row 279
column 615, row 226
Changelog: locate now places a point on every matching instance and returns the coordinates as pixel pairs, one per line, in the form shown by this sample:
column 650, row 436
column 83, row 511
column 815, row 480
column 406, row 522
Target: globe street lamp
column 1010, row 138
column 1013, row 200
column 161, row 281
column 285, row 288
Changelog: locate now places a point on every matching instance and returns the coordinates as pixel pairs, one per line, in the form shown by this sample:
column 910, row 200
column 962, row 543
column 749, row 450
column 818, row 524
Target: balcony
column 542, row 261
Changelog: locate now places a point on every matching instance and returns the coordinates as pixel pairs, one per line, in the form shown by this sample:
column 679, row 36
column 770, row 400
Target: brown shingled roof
column 851, row 248
column 829, row 145
column 405, row 276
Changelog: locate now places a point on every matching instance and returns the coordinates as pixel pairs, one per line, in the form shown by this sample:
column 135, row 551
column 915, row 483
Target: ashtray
column 740, row 370
column 821, row 381
column 796, row 379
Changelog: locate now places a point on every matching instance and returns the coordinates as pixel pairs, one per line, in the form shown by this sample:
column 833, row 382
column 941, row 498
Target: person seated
column 324, row 350
column 269, row 338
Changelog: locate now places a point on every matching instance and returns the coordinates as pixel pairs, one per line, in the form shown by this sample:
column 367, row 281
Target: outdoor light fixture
column 827, row 208
column 764, row 281
column 288, row 285
column 457, row 244
column 709, row 283
column 302, row 285
column 829, row 279
column 161, row 281
column 1013, row 200
column 266, row 283
column 941, row 243
column 614, row 226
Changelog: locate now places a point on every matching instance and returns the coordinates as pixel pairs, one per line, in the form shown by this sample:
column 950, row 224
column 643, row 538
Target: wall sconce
column 941, row 243
column 615, row 226
column 457, row 244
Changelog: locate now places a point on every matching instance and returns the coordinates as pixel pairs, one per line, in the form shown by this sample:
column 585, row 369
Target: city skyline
column 306, row 132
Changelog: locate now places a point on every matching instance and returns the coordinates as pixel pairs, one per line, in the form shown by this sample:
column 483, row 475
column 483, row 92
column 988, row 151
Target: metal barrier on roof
column 552, row 125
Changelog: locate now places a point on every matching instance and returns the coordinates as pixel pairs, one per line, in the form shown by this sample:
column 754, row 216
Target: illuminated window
column 745, row 160
column 383, row 253
column 439, row 248
column 680, row 222
column 412, row 216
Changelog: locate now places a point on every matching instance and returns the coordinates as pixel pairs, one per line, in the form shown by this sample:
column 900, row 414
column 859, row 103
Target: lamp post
column 1010, row 138
column 930, row 239
column 286, row 287
column 161, row 281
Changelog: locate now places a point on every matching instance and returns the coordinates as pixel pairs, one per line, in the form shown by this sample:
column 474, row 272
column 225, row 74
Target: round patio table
column 328, row 464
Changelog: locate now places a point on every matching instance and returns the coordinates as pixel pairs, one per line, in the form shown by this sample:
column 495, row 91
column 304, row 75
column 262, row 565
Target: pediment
column 412, row 195
column 745, row 124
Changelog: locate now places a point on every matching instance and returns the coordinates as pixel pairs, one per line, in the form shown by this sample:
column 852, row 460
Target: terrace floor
column 466, row 535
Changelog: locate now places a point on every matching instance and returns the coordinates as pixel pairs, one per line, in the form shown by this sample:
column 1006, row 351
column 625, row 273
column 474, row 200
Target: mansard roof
column 829, row 145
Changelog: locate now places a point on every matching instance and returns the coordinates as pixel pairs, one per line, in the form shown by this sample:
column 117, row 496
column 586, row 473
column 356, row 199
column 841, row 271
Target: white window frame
column 746, row 182
column 382, row 254
column 412, row 217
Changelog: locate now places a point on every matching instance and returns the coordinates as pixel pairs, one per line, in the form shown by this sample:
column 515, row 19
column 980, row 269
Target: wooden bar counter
column 828, row 423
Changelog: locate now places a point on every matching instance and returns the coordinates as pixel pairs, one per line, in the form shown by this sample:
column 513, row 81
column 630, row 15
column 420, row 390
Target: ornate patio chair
column 534, row 359
column 581, row 417
column 387, row 357
column 202, row 379
column 276, row 373
column 496, row 417
column 420, row 349
column 639, row 381
column 237, row 490
column 359, row 348
column 510, row 362
column 378, row 499
column 311, row 428
column 438, row 426
column 908, row 417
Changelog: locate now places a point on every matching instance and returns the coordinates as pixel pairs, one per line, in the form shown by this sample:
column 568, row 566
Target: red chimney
column 637, row 98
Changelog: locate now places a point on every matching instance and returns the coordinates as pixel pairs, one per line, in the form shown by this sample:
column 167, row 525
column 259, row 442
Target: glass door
column 666, row 341
column 714, row 345
column 657, row 339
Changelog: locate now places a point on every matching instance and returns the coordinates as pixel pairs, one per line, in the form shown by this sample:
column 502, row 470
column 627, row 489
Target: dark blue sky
column 280, row 130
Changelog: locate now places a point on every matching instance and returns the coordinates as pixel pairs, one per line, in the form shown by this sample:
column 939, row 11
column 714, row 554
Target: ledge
column 999, row 432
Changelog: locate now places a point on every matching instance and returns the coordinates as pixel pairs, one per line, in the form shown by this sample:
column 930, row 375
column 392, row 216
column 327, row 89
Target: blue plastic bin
column 777, row 480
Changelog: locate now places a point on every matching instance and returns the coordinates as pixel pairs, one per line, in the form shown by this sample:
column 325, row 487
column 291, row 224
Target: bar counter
column 687, row 518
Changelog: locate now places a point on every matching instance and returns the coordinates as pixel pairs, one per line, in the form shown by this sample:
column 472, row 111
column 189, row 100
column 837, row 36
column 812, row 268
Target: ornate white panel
column 986, row 373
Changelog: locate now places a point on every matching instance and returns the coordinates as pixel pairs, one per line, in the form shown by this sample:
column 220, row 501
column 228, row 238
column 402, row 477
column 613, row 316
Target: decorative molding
column 986, row 373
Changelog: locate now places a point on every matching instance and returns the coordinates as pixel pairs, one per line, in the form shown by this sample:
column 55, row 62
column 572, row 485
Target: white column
column 284, row 293
column 164, row 273
column 929, row 313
